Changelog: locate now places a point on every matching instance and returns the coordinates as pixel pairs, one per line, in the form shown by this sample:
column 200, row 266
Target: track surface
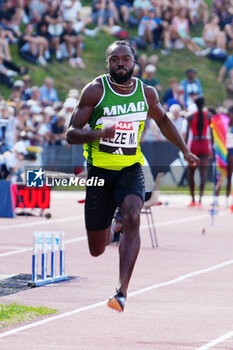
column 180, row 296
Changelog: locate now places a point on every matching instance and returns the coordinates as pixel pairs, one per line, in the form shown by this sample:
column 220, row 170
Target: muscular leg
column 191, row 172
column 204, row 161
column 130, row 241
column 97, row 241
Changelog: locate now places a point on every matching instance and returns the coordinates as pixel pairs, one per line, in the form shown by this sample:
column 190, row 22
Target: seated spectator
column 228, row 102
column 33, row 48
column 36, row 10
column 72, row 46
column 71, row 10
column 174, row 95
column 150, row 78
column 57, row 132
column 198, row 11
column 180, row 30
column 71, row 13
column 123, row 10
column 140, row 7
column 212, row 35
column 11, row 17
column 6, row 75
column 5, row 54
column 48, row 93
column 53, row 18
column 53, row 45
column 226, row 67
column 229, row 34
column 151, row 28
column 103, row 12
column 191, row 85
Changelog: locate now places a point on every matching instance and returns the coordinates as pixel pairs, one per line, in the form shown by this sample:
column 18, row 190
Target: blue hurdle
column 44, row 242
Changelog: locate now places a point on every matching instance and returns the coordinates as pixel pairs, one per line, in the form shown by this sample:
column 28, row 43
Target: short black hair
column 120, row 43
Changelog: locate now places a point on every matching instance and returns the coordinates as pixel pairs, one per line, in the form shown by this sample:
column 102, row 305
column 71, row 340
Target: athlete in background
column 199, row 123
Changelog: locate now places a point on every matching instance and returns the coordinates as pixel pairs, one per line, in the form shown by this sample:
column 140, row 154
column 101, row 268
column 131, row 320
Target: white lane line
column 42, row 222
column 101, row 303
column 216, row 341
column 186, row 219
column 23, row 250
column 158, row 224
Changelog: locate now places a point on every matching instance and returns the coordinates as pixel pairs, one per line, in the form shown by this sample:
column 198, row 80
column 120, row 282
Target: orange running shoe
column 192, row 204
column 117, row 302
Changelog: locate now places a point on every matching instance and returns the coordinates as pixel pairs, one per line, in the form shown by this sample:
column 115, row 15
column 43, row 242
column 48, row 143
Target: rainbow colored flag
column 219, row 125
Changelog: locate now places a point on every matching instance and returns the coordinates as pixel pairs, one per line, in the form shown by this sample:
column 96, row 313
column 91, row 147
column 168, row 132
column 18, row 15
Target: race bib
column 124, row 142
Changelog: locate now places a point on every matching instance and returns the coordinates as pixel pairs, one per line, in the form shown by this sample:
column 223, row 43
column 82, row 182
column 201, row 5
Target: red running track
column 180, row 296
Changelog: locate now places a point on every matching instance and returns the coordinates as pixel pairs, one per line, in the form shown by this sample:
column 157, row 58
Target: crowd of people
column 47, row 30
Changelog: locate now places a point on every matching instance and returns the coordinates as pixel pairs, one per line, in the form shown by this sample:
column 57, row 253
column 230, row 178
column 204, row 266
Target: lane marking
column 42, row 222
column 23, row 250
column 216, row 341
column 83, row 238
column 132, row 294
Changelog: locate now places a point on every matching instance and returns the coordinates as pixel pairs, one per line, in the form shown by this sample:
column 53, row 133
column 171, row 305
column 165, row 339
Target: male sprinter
column 115, row 107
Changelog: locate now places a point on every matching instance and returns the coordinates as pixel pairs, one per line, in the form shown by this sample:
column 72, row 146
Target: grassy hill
column 173, row 65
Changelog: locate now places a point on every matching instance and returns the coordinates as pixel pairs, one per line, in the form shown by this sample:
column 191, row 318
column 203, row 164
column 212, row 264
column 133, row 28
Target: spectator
column 11, row 16
column 177, row 116
column 73, row 46
column 140, row 7
column 33, row 48
column 226, row 67
column 36, row 10
column 68, row 107
column 123, row 10
column 198, row 11
column 52, row 17
column 229, row 91
column 6, row 75
column 212, row 35
column 35, row 96
column 229, row 34
column 7, row 129
column 27, row 91
column 152, row 28
column 150, row 79
column 191, row 85
column 42, row 31
column 103, row 12
column 174, row 95
column 71, row 13
column 5, row 53
column 180, row 31
column 15, row 98
column 48, row 93
column 57, row 130
column 71, row 10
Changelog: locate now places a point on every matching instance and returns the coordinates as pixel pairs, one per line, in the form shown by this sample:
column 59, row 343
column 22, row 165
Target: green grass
column 15, row 313
column 173, row 65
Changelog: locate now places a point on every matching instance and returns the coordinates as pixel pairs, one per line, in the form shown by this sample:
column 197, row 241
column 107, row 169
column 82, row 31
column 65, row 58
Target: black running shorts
column 101, row 201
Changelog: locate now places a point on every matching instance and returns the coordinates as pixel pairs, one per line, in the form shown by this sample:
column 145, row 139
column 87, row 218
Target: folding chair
column 151, row 201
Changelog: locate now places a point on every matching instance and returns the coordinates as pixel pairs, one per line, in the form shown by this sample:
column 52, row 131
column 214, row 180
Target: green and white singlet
column 127, row 113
